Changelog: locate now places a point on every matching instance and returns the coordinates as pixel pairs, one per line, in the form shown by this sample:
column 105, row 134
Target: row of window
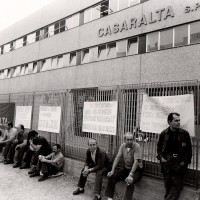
column 174, row 37
column 100, row 10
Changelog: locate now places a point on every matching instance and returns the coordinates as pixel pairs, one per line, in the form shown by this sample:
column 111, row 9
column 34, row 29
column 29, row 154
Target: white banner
column 156, row 109
column 23, row 116
column 100, row 117
column 49, row 119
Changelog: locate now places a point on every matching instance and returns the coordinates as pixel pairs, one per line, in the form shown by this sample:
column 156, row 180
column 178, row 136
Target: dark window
column 24, row 40
column 56, row 28
column 142, row 44
column 181, row 35
column 62, row 25
column 121, row 48
column 37, row 35
column 152, row 44
column 104, row 8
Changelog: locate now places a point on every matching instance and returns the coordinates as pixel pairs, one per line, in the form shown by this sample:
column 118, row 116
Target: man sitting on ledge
column 96, row 161
column 49, row 165
column 131, row 172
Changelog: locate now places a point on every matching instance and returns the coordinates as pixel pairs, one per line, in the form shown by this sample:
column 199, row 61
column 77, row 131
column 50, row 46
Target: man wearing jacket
column 96, row 161
column 174, row 151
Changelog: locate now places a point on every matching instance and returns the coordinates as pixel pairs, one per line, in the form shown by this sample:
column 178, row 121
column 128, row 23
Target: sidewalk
column 16, row 185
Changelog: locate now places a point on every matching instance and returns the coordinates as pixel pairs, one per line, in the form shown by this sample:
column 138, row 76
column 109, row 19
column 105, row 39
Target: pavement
column 15, row 184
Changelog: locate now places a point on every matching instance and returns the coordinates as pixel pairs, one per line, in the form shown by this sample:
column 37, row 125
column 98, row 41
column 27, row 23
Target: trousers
column 173, row 174
column 121, row 175
column 98, row 180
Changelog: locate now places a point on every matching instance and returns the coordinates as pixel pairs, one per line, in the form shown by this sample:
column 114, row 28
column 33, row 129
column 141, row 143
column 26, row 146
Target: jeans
column 19, row 153
column 121, row 175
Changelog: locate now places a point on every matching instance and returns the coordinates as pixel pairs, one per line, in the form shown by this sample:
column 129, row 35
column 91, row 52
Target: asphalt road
column 15, row 184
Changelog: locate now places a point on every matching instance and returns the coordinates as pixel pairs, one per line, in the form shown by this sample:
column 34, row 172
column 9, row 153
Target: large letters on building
column 156, row 109
column 100, row 117
column 49, row 119
column 23, row 116
column 6, row 113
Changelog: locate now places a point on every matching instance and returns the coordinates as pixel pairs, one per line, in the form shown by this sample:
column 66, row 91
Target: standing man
column 49, row 165
column 174, row 151
column 96, row 161
column 131, row 172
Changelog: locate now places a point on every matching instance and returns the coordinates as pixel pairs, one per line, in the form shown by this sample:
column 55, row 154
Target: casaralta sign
column 152, row 17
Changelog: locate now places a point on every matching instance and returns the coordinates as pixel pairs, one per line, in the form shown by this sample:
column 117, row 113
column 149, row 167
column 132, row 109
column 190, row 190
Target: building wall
column 174, row 64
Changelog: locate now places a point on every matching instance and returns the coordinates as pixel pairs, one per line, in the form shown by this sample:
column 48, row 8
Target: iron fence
column 129, row 97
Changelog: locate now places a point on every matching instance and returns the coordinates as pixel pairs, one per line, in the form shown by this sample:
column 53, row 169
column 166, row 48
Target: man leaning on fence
column 174, row 152
column 96, row 161
column 131, row 172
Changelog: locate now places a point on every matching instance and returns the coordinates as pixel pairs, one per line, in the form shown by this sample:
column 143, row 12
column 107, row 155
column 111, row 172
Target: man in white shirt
column 9, row 136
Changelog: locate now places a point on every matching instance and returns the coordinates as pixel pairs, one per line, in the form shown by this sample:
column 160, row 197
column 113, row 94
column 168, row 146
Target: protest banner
column 156, row 109
column 49, row 119
column 6, row 113
column 100, row 117
column 23, row 116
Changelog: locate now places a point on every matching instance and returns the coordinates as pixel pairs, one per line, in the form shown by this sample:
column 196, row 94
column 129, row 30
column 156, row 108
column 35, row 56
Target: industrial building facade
column 73, row 51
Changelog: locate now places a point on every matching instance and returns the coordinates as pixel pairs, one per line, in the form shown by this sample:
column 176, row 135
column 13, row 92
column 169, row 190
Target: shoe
column 32, row 171
column 78, row 191
column 97, row 198
column 25, row 166
column 35, row 174
column 6, row 162
column 43, row 178
column 16, row 165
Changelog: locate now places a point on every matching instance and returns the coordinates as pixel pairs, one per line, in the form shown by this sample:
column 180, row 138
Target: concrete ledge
column 146, row 189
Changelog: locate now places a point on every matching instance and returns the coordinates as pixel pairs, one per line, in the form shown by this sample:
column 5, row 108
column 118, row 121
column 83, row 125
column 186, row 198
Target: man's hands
column 110, row 173
column 42, row 158
column 129, row 180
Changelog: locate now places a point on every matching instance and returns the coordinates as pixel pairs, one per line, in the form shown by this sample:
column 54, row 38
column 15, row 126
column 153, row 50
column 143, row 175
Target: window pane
column 30, row 68
column 121, row 48
column 22, row 71
column 142, row 44
column 60, row 61
column 6, row 48
column 37, row 35
column 111, row 53
column 85, row 56
column 134, row 2
column 87, row 15
column 132, row 46
column 54, row 63
column 73, row 58
column 51, row 30
column 72, row 21
column 26, row 68
column 34, row 67
column 195, row 32
column 104, row 8
column 102, row 52
column 113, row 5
column 123, row 4
column 152, row 42
column 19, row 43
column 31, row 38
column 46, row 32
column 56, row 28
column 181, row 35
column 166, row 39
column 16, row 71
column 62, row 25
column 96, row 12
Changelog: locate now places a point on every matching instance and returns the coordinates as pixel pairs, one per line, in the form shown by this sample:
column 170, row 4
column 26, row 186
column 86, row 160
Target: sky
column 12, row 11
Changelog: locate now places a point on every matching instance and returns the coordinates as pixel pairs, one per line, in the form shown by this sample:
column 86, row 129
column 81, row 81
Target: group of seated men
column 22, row 149
column 29, row 149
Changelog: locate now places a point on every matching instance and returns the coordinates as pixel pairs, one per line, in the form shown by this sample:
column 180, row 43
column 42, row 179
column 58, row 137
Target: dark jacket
column 101, row 159
column 184, row 145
